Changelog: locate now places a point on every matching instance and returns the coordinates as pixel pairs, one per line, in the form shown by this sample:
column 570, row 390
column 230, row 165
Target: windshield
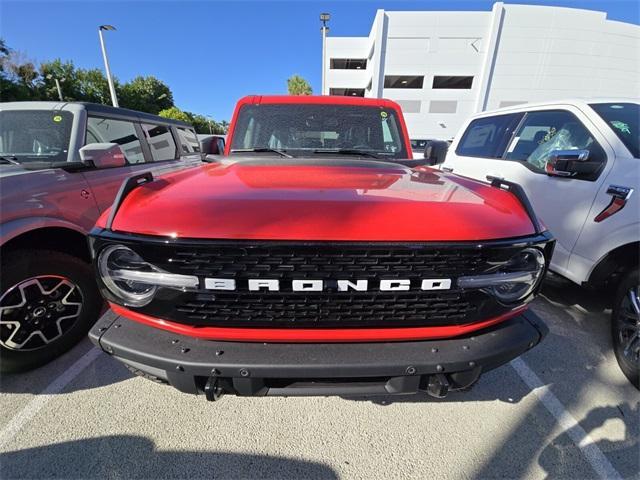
column 35, row 135
column 624, row 120
column 303, row 130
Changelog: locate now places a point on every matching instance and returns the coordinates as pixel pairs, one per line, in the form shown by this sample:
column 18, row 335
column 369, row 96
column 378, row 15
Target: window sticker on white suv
column 623, row 127
column 624, row 119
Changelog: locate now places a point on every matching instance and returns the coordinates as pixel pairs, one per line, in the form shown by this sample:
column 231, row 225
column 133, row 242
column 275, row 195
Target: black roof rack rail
column 520, row 194
column 128, row 185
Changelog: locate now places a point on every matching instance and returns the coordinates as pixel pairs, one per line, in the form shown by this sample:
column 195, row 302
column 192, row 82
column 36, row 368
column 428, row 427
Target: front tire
column 625, row 326
column 48, row 302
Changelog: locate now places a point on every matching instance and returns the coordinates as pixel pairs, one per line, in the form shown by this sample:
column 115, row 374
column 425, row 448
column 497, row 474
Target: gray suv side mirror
column 568, row 163
column 102, row 155
column 435, row 151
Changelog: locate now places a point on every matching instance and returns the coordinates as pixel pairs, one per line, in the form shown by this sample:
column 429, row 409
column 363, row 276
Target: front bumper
column 213, row 367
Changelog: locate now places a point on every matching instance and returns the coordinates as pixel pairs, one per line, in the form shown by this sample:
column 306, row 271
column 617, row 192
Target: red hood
column 303, row 202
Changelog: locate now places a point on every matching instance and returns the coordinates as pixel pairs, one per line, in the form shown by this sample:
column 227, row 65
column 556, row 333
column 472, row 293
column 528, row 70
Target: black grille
column 335, row 309
column 327, row 262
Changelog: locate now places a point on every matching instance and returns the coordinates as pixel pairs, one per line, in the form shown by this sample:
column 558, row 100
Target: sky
column 212, row 53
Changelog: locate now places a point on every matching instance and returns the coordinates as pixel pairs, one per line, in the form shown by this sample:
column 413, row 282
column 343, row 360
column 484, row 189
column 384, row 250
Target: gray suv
column 61, row 165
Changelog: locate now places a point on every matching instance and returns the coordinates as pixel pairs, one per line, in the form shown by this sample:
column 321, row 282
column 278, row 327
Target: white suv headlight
column 134, row 281
column 515, row 280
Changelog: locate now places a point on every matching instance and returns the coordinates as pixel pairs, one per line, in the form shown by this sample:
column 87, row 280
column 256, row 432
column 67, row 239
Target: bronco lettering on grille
column 310, row 285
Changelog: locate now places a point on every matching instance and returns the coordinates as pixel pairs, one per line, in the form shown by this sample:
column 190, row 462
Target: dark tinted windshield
column 35, row 135
column 624, row 120
column 304, row 130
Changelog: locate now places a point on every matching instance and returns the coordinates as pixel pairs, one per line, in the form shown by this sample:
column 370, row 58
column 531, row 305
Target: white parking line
column 41, row 399
column 598, row 461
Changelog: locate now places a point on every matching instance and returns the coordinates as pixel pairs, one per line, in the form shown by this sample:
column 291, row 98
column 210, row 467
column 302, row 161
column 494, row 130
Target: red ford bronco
column 316, row 257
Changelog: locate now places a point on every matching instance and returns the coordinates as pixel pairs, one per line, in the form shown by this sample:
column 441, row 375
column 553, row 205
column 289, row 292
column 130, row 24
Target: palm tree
column 298, row 86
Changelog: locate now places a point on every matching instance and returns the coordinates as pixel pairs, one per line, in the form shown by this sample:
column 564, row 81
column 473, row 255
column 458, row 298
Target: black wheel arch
column 59, row 239
column 614, row 265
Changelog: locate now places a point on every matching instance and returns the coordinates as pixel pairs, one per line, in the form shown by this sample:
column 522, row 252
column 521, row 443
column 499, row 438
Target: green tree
column 296, row 85
column 176, row 114
column 18, row 76
column 66, row 74
column 76, row 83
column 201, row 123
column 147, row 94
column 93, row 86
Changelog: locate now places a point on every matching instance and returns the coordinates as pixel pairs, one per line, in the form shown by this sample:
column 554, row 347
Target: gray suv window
column 107, row 130
column 188, row 140
column 160, row 141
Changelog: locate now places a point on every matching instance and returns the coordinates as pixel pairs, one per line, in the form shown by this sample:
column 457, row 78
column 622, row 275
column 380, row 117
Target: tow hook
column 438, row 385
column 212, row 389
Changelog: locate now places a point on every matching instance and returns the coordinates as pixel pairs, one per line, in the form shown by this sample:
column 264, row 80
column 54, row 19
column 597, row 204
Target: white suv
column 579, row 163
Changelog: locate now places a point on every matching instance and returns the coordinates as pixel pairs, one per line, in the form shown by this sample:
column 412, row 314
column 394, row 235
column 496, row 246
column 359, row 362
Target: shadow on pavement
column 575, row 361
column 127, row 456
column 552, row 458
column 565, row 293
column 103, row 371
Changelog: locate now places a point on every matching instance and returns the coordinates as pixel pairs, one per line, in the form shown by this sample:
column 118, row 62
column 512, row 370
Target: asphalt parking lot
column 563, row 411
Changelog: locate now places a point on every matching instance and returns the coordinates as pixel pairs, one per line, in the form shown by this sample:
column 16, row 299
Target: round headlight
column 514, row 280
column 113, row 264
column 522, row 273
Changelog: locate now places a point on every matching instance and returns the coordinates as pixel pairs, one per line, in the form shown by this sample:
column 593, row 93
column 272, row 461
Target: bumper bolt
column 179, row 368
column 102, row 329
column 117, row 326
column 184, row 349
column 434, row 350
column 174, row 341
column 472, row 364
column 439, row 368
column 465, row 347
column 411, row 370
column 219, row 352
column 244, row 372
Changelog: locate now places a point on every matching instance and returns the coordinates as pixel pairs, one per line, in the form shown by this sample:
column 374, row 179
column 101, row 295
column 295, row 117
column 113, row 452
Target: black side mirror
column 435, row 151
column 209, row 146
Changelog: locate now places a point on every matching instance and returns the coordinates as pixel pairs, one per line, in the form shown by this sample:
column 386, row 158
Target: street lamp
column 112, row 88
column 58, row 81
column 210, row 121
column 324, row 18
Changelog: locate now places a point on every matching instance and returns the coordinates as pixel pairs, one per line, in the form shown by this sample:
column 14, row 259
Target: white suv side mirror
column 102, row 155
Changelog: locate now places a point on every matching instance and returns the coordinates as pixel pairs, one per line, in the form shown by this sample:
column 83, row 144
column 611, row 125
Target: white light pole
column 324, row 18
column 49, row 77
column 210, row 121
column 112, row 88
